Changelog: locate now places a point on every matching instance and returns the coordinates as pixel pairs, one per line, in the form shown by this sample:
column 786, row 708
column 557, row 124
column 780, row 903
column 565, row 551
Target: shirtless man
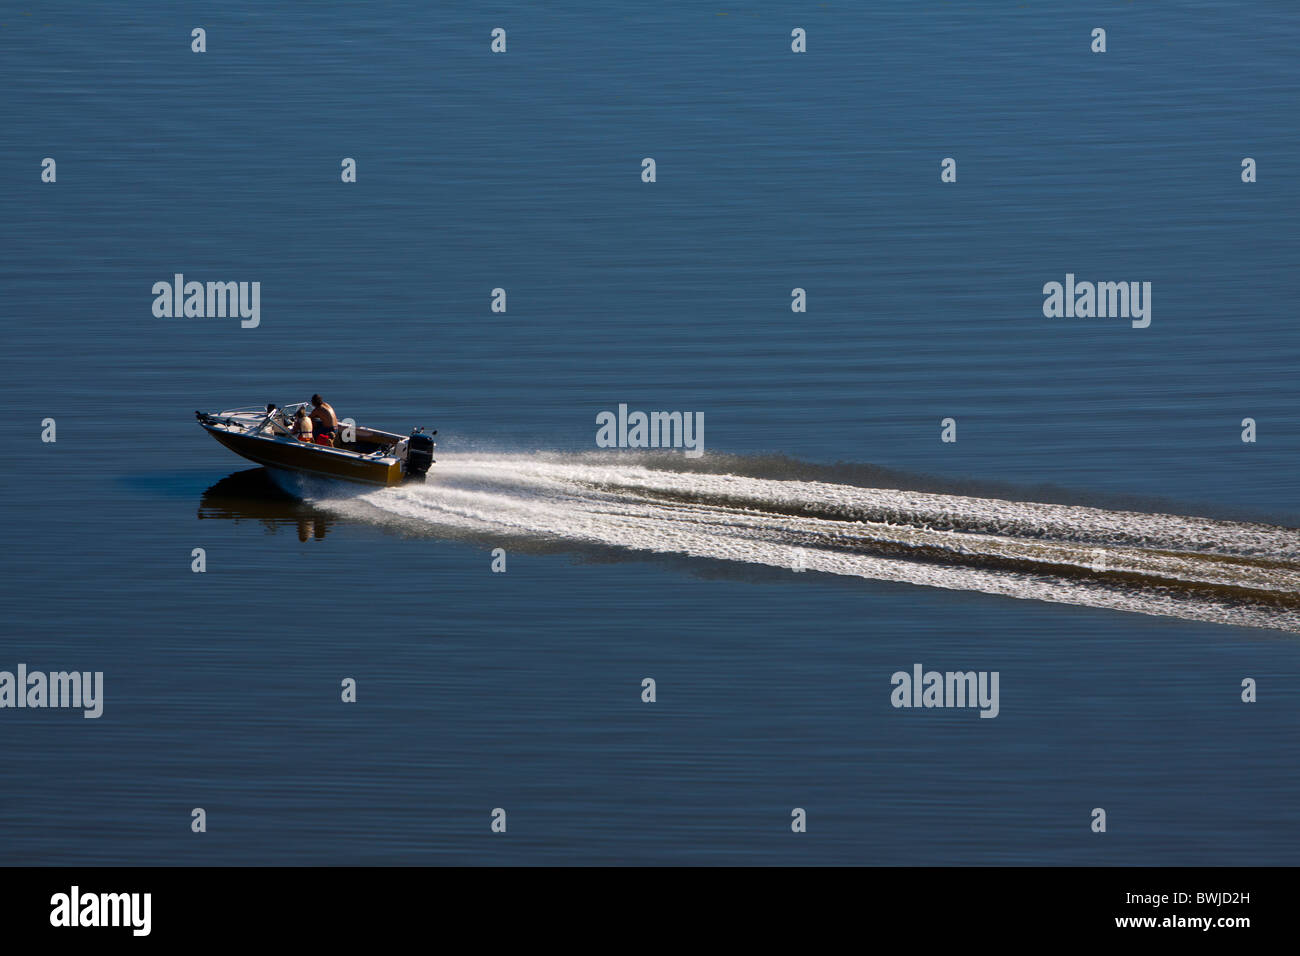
column 323, row 417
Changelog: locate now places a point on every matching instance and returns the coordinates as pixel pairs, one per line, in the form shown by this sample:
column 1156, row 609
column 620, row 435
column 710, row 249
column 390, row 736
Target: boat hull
column 309, row 458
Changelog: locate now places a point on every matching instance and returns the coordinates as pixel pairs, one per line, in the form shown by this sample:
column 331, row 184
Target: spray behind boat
column 419, row 453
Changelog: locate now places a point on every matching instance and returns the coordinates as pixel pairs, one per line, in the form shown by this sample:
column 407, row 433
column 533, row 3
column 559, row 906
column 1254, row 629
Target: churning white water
column 1161, row 564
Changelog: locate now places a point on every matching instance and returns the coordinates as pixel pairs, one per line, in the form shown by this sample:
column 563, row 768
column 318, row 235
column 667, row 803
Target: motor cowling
column 419, row 454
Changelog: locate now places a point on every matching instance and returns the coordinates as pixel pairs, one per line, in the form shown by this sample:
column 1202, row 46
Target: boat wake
column 1161, row 564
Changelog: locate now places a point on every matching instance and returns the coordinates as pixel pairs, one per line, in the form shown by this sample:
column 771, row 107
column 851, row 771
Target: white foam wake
column 1188, row 567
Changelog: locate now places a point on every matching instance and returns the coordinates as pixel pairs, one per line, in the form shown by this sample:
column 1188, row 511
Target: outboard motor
column 419, row 453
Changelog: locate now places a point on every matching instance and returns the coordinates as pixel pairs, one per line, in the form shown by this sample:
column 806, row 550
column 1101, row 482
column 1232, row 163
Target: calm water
column 522, row 690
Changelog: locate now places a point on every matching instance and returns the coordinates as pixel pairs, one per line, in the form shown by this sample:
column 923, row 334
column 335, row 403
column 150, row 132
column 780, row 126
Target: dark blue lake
column 1030, row 546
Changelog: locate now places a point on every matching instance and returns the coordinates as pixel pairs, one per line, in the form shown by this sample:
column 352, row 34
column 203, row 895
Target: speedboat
column 367, row 455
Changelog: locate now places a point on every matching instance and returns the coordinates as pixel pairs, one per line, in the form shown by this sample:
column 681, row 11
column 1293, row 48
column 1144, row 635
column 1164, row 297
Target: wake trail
column 1170, row 565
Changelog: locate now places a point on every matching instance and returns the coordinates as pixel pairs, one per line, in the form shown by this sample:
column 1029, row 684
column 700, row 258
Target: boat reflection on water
column 252, row 496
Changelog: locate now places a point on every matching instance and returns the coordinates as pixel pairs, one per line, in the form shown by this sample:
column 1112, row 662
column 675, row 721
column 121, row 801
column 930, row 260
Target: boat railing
column 253, row 418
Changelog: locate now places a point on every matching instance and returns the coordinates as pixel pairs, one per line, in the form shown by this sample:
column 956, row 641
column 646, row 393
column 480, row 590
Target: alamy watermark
column 653, row 430
column 1102, row 300
column 215, row 300
column 75, row 908
column 950, row 689
column 37, row 689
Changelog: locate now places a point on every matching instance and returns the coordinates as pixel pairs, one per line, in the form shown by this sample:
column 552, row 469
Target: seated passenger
column 275, row 423
column 302, row 425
